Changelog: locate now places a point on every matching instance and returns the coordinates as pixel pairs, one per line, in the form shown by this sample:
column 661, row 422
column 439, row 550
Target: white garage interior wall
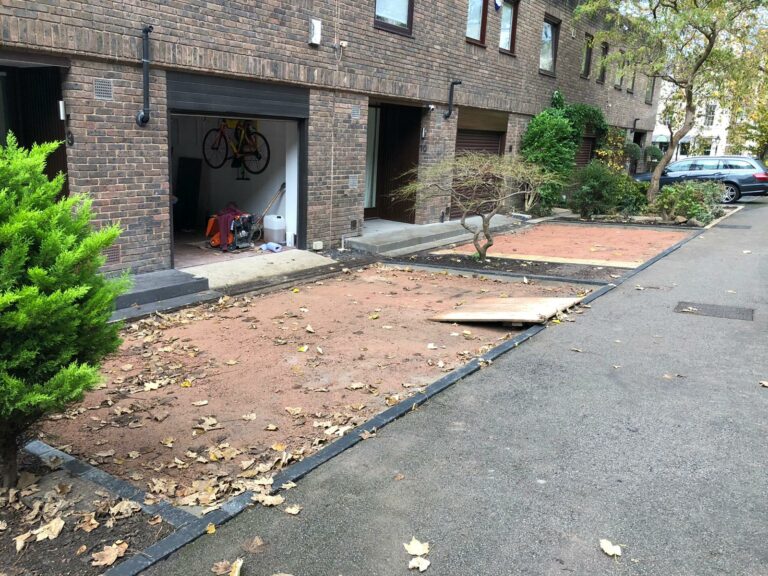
column 219, row 187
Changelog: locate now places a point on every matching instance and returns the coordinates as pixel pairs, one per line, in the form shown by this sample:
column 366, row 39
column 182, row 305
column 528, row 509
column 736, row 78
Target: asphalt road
column 525, row 466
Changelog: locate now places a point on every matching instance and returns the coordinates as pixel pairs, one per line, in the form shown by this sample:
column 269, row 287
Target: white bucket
column 274, row 228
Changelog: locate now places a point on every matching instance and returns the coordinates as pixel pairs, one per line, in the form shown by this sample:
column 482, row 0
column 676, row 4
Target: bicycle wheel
column 215, row 148
column 255, row 153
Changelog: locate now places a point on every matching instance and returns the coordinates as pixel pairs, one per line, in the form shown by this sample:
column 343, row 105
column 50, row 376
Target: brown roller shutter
column 477, row 141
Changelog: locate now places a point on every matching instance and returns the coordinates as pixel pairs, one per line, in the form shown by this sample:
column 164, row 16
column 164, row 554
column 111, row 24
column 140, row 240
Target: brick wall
column 268, row 40
column 123, row 167
column 439, row 144
column 338, row 122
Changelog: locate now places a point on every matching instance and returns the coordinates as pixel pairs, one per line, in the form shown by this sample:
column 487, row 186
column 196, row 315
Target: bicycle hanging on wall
column 239, row 141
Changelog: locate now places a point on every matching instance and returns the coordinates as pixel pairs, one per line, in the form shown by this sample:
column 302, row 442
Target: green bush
column 583, row 118
column 692, row 199
column 601, row 189
column 548, row 142
column 653, row 153
column 54, row 303
column 633, row 151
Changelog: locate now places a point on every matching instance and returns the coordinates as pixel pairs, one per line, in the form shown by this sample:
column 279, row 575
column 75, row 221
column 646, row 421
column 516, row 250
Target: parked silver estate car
column 741, row 175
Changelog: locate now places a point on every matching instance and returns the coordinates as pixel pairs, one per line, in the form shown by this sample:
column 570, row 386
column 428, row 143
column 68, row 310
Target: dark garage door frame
column 228, row 97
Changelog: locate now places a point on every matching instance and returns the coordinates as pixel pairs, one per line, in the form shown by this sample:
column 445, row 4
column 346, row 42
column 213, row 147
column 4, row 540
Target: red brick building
column 348, row 94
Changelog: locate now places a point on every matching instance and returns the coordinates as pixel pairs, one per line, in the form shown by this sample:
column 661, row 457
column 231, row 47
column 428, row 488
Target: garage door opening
column 235, row 175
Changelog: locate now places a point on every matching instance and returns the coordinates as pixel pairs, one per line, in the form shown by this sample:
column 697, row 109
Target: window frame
column 618, row 81
column 602, row 72
column 389, row 27
column 513, row 33
column 483, row 25
column 586, row 56
column 709, row 120
column 652, row 85
column 631, row 83
column 555, row 24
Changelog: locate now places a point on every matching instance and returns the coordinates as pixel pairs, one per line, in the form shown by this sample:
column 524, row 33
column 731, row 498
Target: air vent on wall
column 355, row 112
column 353, row 181
column 102, row 89
column 113, row 255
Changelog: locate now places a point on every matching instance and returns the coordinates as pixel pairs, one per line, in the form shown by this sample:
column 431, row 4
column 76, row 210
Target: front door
column 398, row 155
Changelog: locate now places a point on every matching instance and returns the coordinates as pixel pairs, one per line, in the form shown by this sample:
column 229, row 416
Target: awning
column 661, row 138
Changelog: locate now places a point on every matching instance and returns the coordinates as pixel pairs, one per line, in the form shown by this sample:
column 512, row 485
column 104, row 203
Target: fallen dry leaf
column 133, row 454
column 253, row 545
column 186, row 384
column 249, row 417
column 293, row 510
column 230, row 362
column 310, row 329
column 110, row 554
column 609, row 548
column 419, row 563
column 49, row 531
column 80, row 550
column 267, row 500
column 210, row 529
column 399, row 476
column 293, row 411
column 155, row 520
column 126, row 367
column 270, row 428
column 355, row 386
column 21, row 540
column 278, row 447
column 764, row 383
column 124, row 509
column 416, row 548
column 88, row 523
column 208, row 423
column 222, row 567
column 168, row 442
column 200, row 403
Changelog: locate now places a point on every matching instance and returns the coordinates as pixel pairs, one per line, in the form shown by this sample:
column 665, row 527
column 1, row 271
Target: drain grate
column 716, row 311
column 735, row 226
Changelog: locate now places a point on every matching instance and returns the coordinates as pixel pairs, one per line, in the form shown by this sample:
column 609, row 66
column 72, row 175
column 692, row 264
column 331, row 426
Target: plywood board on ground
column 530, row 310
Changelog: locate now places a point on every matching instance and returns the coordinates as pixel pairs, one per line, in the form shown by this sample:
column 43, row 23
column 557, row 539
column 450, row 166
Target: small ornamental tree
column 479, row 184
column 54, row 303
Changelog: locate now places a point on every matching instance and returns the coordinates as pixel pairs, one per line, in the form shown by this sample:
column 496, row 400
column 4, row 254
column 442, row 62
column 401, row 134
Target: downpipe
column 142, row 117
column 454, row 83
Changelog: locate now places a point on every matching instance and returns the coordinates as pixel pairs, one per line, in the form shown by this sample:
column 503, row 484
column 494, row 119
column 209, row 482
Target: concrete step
column 413, row 238
column 160, row 285
column 167, row 305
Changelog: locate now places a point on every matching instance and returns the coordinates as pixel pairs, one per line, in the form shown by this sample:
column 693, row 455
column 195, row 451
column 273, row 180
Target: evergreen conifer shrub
column 54, row 303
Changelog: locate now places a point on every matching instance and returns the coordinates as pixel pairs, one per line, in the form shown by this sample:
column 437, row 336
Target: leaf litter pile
column 205, row 403
column 54, row 525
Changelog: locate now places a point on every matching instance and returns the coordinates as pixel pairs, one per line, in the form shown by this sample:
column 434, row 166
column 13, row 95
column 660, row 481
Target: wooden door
column 398, row 153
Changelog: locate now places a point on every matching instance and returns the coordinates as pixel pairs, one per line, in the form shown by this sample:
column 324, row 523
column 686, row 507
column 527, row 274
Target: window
column 685, row 150
column 709, row 116
column 619, row 81
column 586, row 56
column 650, row 88
column 603, row 65
column 477, row 11
column 705, row 165
column 550, row 33
column 394, row 15
column 683, row 166
column 737, row 165
column 508, row 26
column 631, row 85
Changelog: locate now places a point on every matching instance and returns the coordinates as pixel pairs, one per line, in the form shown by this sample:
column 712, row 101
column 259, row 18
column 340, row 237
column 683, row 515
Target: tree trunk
column 690, row 118
column 9, row 467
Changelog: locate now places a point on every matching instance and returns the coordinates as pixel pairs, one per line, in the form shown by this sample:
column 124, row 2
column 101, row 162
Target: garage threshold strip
column 190, row 527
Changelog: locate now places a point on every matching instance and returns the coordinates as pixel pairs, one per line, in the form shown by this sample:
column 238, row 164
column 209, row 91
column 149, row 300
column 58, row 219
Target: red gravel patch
column 582, row 243
column 302, row 366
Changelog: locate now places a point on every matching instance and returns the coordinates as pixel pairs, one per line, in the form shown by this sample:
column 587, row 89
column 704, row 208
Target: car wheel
column 731, row 194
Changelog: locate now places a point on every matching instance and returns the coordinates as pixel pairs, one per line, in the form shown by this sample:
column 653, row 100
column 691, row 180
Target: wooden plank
column 528, row 310
column 630, row 264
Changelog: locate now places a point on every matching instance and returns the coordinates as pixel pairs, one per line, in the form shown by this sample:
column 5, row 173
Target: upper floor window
column 586, row 56
column 477, row 11
column 631, row 84
column 550, row 34
column 650, row 88
column 508, row 25
column 709, row 116
column 619, row 81
column 603, row 64
column 394, row 15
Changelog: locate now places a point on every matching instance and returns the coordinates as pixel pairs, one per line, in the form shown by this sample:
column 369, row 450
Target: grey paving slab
column 652, row 436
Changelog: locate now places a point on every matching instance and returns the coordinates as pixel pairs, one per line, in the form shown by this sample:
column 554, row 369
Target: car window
column 705, row 164
column 731, row 164
column 683, row 166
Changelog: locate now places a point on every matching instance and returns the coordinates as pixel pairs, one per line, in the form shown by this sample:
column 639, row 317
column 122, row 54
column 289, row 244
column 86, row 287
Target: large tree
column 688, row 43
